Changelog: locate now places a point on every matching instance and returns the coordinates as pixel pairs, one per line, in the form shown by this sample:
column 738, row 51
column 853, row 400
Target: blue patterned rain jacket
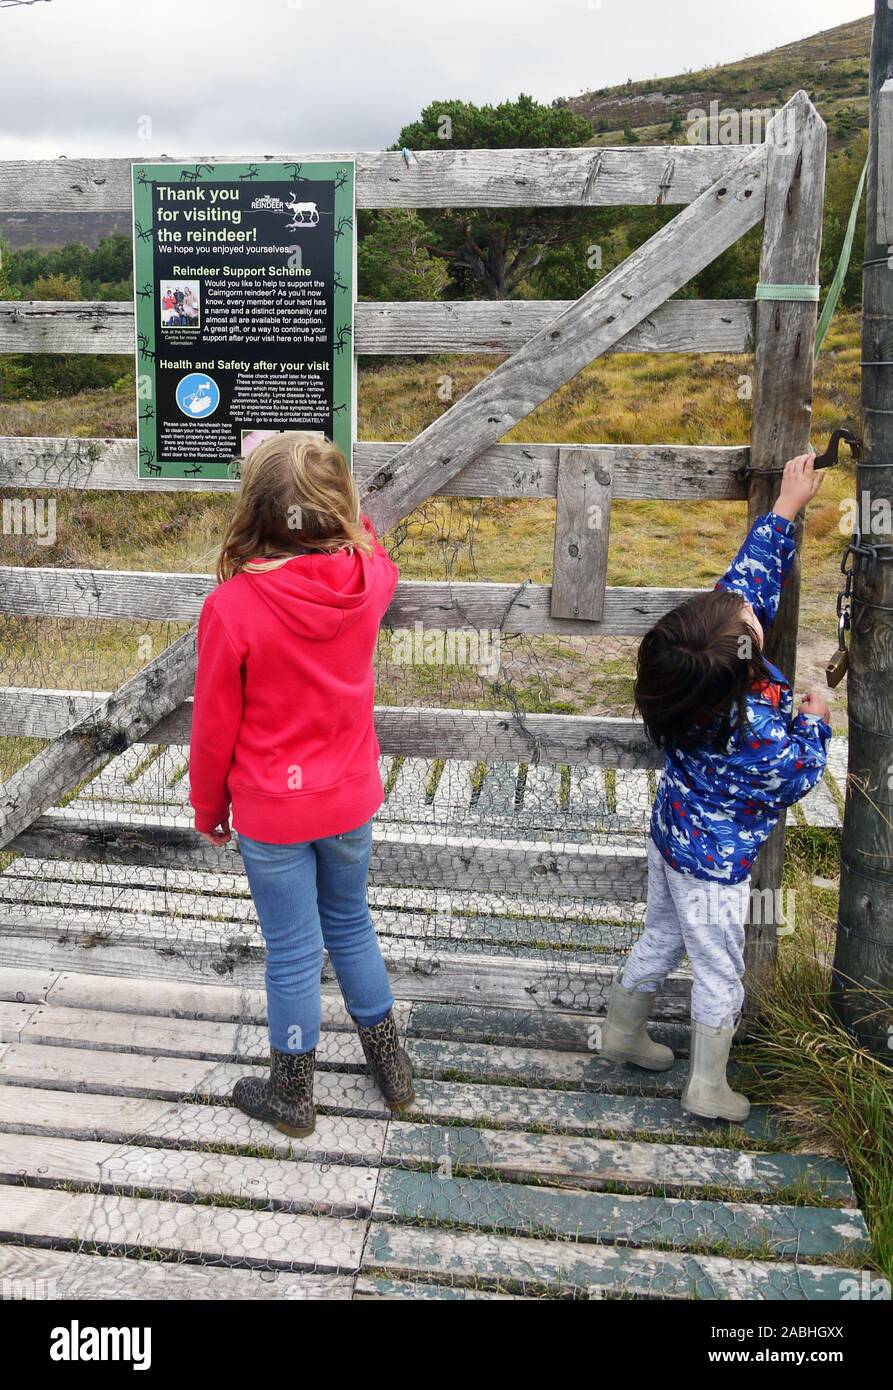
column 715, row 808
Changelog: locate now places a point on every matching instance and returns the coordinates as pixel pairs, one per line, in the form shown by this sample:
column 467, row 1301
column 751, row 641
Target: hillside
column 832, row 66
column 45, row 231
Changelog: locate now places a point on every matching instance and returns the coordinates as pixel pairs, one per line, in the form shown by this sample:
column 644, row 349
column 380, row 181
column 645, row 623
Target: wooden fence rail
column 149, row 596
column 607, row 176
column 475, row 735
column 671, row 471
column 401, row 329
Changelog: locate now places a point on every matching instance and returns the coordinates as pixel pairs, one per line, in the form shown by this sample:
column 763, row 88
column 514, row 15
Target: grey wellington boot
column 707, row 1092
column 624, row 1035
column 285, row 1098
column 389, row 1065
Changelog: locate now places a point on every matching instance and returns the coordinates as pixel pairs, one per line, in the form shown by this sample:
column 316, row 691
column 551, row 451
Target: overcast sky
column 276, row 76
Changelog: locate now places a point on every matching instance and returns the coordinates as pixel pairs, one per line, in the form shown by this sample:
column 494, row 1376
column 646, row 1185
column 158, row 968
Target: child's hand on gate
column 220, row 836
column 799, row 485
column 815, row 705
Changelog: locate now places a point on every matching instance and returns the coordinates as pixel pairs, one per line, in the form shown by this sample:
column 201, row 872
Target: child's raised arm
column 767, row 554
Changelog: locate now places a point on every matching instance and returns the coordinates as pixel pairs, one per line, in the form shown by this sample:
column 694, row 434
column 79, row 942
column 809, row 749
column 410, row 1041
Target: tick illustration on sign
column 198, row 395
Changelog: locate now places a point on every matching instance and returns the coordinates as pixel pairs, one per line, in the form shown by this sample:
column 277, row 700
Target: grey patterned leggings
column 702, row 919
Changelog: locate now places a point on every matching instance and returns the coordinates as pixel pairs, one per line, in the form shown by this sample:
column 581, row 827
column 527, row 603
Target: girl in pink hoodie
column 282, row 733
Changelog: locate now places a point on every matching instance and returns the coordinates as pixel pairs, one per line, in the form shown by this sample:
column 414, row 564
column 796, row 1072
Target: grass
column 835, row 1098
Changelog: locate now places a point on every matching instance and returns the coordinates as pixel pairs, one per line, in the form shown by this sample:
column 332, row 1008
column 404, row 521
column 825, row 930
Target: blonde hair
column 297, row 496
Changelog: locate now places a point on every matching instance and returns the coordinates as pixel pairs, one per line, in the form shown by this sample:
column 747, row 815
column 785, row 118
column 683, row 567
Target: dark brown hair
column 694, row 672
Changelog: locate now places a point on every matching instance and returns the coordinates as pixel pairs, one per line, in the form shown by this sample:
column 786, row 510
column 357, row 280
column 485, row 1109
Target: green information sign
column 244, row 281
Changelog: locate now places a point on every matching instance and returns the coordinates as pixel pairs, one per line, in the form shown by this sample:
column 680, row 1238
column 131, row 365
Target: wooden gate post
column 781, row 415
column 862, row 990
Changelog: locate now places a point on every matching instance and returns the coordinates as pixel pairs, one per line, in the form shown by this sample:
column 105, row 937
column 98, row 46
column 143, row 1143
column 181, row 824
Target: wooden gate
column 722, row 193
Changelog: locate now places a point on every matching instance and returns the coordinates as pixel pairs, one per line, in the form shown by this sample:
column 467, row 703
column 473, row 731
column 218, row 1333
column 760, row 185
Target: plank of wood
column 781, row 413
column 114, row 774
column 35, row 592
column 138, row 916
column 26, row 986
column 884, row 174
column 118, row 1119
column 180, row 1079
column 400, row 328
column 568, row 1112
column 168, row 998
column 498, row 791
column 13, row 1018
column 492, row 736
column 633, row 796
column 406, row 938
column 476, row 979
column 482, row 327
column 838, row 759
column 368, row 1288
column 787, row 1232
column 531, row 1027
column 671, row 471
column 167, row 1078
column 407, row 797
column 413, row 856
column 623, row 298
column 632, row 1165
column 609, row 176
column 148, row 1034
column 60, row 950
column 268, row 1239
column 38, row 1273
column 330, row 1189
column 587, row 794
column 541, row 803
column 163, row 1036
column 582, row 533
column 453, row 792
column 572, row 1269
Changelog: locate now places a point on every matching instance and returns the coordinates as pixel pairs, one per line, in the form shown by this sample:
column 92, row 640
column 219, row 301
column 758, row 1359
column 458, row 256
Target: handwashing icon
column 198, row 395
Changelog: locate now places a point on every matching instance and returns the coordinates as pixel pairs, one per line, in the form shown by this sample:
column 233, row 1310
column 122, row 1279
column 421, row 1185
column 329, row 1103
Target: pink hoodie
column 282, row 721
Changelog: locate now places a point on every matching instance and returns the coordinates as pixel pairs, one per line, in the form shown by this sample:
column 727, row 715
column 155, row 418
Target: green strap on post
column 808, row 292
column 843, row 266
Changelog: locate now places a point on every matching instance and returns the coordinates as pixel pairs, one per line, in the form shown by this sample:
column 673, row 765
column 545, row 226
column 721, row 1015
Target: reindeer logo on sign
column 302, row 214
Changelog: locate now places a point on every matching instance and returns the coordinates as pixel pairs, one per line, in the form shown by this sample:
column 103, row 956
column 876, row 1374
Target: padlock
column 837, row 666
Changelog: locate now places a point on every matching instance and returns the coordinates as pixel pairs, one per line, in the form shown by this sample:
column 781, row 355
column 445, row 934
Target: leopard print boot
column 389, row 1065
column 286, row 1097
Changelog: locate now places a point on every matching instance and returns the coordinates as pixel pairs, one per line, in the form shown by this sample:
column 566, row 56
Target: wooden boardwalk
column 131, row 999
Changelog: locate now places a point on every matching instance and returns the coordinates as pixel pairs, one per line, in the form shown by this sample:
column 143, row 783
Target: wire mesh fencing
column 533, row 856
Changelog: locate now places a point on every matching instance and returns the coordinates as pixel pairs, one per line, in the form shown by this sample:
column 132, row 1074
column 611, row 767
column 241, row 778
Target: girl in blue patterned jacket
column 735, row 758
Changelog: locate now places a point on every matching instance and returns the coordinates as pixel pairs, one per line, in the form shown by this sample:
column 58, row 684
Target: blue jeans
column 307, row 895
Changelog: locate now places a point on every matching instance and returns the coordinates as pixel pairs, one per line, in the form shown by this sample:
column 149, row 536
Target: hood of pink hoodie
column 316, row 596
